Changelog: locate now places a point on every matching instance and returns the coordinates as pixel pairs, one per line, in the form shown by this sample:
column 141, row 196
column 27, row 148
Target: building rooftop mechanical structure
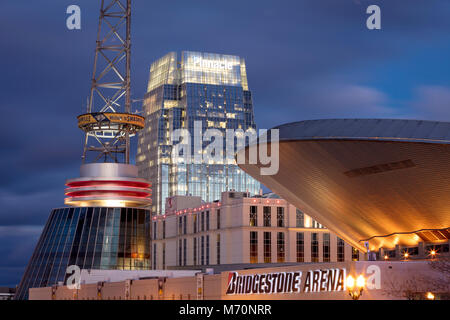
column 106, row 225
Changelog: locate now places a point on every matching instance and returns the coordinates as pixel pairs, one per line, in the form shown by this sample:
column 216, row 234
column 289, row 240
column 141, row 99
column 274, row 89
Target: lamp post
column 433, row 254
column 406, row 255
column 355, row 290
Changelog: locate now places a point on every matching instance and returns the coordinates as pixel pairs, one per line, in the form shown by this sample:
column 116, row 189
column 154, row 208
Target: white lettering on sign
column 212, row 64
column 327, row 280
column 277, row 282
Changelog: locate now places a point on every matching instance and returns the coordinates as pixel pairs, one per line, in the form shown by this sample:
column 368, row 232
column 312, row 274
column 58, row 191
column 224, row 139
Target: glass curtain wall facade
column 211, row 89
column 91, row 238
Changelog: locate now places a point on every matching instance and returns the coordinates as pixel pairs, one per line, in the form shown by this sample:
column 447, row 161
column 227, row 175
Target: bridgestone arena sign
column 327, row 280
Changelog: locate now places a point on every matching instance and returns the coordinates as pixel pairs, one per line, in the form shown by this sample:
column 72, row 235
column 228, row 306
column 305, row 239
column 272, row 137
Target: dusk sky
column 306, row 59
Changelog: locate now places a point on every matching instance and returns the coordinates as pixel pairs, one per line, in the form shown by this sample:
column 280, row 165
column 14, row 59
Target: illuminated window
column 355, row 254
column 253, row 216
column 195, row 223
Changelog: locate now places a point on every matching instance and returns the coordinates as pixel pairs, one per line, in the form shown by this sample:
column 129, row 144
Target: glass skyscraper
column 206, row 88
column 90, row 238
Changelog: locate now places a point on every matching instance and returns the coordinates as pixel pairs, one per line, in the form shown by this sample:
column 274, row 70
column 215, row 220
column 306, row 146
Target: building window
column 207, row 220
column 280, row 217
column 267, row 247
column 195, row 251
column 179, row 252
column 202, row 222
column 314, row 247
column 164, row 256
column 439, row 248
column 326, row 247
column 154, row 230
column 207, row 250
column 253, row 247
column 390, row 253
column 253, row 216
column 195, row 223
column 340, row 250
column 218, row 218
column 316, row 225
column 267, row 216
column 164, row 229
column 280, row 247
column 154, row 256
column 202, row 251
column 218, row 248
column 411, row 251
column 180, row 225
column 184, row 251
column 355, row 254
column 300, row 247
column 184, row 224
column 299, row 219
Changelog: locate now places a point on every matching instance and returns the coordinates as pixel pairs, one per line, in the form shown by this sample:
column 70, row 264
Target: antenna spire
column 109, row 123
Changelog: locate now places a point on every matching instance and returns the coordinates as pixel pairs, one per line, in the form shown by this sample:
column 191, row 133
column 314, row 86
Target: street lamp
column 355, row 290
column 433, row 254
column 430, row 296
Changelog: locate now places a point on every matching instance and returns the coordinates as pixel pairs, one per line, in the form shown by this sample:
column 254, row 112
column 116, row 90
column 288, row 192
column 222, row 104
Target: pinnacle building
column 183, row 92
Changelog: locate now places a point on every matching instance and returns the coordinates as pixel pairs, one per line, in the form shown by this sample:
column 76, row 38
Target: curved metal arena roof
column 379, row 180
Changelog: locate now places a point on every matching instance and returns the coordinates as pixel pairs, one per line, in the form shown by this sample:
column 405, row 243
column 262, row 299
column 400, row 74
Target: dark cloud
column 305, row 59
column 17, row 246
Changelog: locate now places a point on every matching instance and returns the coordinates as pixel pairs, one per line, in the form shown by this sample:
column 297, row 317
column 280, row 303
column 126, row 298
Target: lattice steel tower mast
column 108, row 123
